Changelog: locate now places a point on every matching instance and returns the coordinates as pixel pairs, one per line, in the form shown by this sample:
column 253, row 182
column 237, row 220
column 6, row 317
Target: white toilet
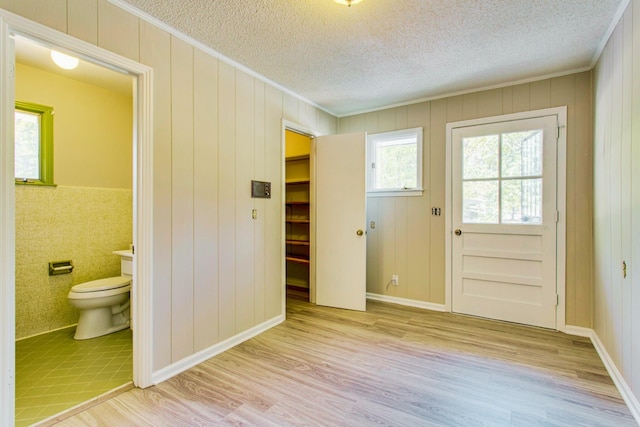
column 104, row 304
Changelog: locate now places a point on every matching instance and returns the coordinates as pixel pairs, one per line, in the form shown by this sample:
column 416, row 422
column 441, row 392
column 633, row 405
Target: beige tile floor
column 54, row 372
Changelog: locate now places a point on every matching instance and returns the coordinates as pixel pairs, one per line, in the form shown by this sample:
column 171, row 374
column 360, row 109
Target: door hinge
column 557, row 300
column 373, row 165
column 557, row 216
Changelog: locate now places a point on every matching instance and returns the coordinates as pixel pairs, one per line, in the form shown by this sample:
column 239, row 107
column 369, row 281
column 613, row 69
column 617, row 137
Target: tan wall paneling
column 227, row 200
column 245, row 166
column 52, row 13
column 80, row 26
column 626, row 167
column 259, row 228
column 205, row 209
column 540, row 94
column 155, row 49
column 582, row 179
column 182, row 188
column 635, row 194
column 409, row 241
column 118, row 31
column 274, row 214
column 616, row 198
column 374, row 284
column 290, row 108
column 521, row 98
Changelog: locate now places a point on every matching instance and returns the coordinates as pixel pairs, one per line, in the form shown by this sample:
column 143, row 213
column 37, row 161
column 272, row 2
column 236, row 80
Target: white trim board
column 625, row 391
column 408, row 302
column 7, row 229
column 206, row 354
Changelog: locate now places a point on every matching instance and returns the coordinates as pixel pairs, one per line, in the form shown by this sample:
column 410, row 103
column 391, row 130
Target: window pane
column 27, row 149
column 480, row 202
column 480, row 157
column 396, row 165
column 522, row 154
column 522, row 201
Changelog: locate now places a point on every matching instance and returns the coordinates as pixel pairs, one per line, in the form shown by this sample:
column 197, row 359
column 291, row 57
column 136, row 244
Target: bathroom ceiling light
column 348, row 2
column 63, row 60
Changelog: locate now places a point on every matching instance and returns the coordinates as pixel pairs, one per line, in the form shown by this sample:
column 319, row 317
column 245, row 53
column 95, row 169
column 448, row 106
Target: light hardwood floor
column 390, row 365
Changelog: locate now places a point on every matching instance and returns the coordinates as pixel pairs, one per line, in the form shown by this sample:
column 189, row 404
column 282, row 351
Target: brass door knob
column 458, row 232
column 359, row 232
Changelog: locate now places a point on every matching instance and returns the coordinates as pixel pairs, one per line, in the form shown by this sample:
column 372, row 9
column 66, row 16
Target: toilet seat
column 101, row 288
column 102, row 284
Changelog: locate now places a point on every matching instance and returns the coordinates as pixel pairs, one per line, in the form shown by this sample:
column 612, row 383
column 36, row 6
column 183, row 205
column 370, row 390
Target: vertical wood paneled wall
column 617, row 196
column 408, row 241
column 217, row 272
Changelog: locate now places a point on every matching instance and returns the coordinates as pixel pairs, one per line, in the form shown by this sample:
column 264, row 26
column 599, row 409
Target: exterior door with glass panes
column 504, row 221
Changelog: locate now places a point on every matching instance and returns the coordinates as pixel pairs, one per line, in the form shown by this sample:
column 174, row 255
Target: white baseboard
column 625, row 391
column 408, row 302
column 578, row 331
column 199, row 357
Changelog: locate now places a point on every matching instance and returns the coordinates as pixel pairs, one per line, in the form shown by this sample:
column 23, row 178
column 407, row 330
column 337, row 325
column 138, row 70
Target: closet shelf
column 298, row 242
column 297, row 181
column 302, row 203
column 297, row 221
column 297, row 258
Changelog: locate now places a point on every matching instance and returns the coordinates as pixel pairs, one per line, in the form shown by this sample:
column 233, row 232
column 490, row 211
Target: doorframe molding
column 142, row 195
column 561, row 200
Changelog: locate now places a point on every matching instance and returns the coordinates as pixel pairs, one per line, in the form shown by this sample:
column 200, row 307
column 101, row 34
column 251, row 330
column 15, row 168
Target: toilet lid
column 102, row 284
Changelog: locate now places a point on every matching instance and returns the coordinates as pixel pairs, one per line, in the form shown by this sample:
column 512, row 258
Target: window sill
column 35, row 183
column 414, row 192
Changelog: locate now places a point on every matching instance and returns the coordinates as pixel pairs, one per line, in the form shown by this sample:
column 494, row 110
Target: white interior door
column 340, row 220
column 504, row 220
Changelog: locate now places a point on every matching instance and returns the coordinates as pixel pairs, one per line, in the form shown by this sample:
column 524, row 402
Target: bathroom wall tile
column 56, row 223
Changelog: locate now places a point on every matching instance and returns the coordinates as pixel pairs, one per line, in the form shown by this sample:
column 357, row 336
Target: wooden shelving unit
column 298, row 211
column 297, row 223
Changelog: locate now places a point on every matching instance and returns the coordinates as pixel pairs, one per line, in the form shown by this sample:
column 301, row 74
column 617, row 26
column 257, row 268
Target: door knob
column 458, row 232
column 359, row 232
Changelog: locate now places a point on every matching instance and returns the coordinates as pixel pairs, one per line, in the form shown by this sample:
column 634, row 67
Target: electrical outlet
column 394, row 280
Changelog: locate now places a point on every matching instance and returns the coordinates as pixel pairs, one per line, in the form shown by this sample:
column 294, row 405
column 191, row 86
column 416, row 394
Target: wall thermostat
column 260, row 189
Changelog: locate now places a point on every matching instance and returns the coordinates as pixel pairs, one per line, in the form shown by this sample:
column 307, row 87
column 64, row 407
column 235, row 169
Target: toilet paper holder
column 60, row 267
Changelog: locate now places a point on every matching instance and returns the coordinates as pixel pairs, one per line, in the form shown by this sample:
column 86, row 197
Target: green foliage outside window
column 395, row 162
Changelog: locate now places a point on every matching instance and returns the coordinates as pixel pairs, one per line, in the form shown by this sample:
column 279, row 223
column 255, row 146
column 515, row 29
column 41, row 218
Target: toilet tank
column 126, row 262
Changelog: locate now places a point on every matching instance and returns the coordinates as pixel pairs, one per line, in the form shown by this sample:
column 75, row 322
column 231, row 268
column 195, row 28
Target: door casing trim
column 561, row 201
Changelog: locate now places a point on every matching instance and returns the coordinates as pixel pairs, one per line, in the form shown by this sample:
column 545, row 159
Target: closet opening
column 298, row 220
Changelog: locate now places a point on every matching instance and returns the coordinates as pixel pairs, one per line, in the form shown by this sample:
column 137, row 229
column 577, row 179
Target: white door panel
column 340, row 196
column 504, row 221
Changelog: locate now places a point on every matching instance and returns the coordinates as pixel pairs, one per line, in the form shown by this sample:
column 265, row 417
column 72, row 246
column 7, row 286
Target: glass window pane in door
column 522, row 154
column 480, row 204
column 480, row 157
column 521, row 201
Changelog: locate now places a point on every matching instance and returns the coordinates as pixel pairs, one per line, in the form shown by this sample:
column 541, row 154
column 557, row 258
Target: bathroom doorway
column 139, row 164
column 75, row 217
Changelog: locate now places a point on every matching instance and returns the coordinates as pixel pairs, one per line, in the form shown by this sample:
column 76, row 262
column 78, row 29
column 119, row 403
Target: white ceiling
column 384, row 52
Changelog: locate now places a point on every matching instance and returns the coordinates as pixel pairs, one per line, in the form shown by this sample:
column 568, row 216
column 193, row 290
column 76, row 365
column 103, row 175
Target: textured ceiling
column 384, row 52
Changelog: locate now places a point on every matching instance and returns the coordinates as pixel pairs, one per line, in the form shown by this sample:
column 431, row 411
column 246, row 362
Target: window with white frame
column 395, row 163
